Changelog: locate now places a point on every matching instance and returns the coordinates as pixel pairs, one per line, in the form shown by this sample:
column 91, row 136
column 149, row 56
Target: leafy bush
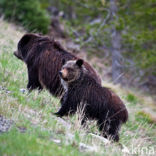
column 27, row 12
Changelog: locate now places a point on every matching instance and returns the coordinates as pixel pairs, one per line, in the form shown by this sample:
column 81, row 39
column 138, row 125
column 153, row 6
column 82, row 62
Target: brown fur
column 98, row 103
column 43, row 57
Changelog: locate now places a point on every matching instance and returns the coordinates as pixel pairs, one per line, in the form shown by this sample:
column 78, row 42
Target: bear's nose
column 60, row 73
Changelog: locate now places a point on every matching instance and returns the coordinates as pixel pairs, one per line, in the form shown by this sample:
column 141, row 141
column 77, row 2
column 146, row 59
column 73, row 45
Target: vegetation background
column 117, row 37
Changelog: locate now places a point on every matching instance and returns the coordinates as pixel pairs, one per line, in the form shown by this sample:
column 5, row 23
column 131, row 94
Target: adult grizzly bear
column 43, row 57
column 97, row 103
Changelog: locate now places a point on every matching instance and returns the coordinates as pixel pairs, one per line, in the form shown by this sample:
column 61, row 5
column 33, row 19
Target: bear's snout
column 60, row 73
column 17, row 55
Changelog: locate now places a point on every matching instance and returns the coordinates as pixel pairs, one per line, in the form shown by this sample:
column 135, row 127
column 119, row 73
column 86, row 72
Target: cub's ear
column 63, row 61
column 79, row 62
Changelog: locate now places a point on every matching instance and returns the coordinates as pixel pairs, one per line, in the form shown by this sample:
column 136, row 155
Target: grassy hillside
column 34, row 131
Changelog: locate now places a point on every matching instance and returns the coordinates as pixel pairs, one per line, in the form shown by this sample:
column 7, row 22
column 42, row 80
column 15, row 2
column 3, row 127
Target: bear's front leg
column 59, row 114
column 64, row 110
column 65, row 107
column 33, row 82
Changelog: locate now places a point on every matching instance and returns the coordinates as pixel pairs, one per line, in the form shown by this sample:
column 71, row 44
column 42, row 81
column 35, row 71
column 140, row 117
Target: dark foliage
column 26, row 12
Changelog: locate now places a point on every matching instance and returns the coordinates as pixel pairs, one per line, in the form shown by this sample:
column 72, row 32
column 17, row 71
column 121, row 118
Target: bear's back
column 99, row 101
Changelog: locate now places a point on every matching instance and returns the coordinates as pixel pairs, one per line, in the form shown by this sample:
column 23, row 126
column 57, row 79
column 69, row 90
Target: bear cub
column 98, row 103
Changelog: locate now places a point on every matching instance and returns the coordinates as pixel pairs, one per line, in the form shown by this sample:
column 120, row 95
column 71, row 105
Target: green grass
column 45, row 133
column 34, row 142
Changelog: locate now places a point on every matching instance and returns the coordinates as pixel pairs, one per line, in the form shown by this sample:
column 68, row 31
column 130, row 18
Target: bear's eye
column 70, row 69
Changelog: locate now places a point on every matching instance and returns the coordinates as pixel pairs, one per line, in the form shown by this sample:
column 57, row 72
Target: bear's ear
column 79, row 62
column 63, row 61
column 26, row 39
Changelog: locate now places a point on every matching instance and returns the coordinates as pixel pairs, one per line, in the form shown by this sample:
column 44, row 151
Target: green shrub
column 26, row 12
column 131, row 98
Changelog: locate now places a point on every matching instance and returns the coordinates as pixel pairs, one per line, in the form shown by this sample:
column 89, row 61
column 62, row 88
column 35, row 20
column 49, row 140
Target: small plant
column 144, row 116
column 131, row 98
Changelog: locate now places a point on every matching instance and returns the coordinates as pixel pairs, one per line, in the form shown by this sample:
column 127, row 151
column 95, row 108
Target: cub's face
column 71, row 70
